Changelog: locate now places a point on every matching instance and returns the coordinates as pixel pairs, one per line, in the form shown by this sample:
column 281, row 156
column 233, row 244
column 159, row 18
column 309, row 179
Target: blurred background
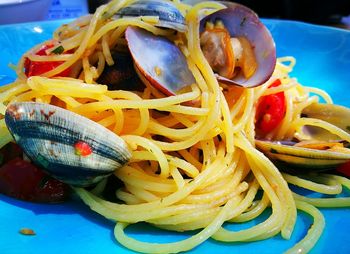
column 323, row 12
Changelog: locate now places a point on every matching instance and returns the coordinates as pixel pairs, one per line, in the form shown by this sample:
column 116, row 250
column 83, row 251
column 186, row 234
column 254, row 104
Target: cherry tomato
column 344, row 169
column 23, row 180
column 271, row 110
column 33, row 68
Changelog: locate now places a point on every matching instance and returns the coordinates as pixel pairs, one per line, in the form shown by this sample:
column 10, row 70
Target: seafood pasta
column 200, row 102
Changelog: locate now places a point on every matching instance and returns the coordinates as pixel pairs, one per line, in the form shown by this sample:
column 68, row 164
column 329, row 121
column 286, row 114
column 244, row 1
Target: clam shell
column 169, row 15
column 300, row 157
column 159, row 60
column 331, row 113
column 242, row 21
column 48, row 135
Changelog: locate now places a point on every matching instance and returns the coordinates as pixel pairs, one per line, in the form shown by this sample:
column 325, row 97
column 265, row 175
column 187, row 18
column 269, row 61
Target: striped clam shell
column 48, row 135
column 169, row 15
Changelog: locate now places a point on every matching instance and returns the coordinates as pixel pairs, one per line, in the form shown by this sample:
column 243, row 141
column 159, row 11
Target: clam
column 289, row 155
column 322, row 151
column 121, row 75
column 159, row 60
column 66, row 145
column 169, row 15
column 238, row 47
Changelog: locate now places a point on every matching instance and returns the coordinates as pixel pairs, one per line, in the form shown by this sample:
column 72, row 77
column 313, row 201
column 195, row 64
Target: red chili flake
column 82, row 148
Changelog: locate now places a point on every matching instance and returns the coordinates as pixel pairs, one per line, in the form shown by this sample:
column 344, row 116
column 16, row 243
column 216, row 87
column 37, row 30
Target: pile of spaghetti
column 194, row 164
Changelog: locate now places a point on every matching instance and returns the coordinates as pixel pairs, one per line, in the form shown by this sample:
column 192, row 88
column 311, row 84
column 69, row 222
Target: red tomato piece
column 82, row 148
column 33, row 68
column 271, row 110
column 23, row 180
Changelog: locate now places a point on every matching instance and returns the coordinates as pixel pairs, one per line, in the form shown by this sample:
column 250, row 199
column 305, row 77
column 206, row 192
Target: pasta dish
column 216, row 130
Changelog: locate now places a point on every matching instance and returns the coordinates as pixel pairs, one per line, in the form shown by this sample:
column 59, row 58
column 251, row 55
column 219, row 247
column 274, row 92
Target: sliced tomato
column 23, row 180
column 271, row 110
column 34, row 68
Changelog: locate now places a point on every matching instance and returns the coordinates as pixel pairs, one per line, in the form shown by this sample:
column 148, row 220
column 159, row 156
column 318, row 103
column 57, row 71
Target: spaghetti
column 194, row 163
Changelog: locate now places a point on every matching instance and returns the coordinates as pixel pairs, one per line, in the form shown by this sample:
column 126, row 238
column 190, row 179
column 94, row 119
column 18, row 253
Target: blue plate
column 323, row 60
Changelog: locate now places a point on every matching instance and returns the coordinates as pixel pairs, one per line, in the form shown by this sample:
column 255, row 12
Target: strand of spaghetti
column 342, row 180
column 40, row 58
column 183, row 245
column 324, row 202
column 142, row 194
column 281, row 88
column 199, row 223
column 106, row 51
column 185, row 110
column 70, row 101
column 314, row 232
column 5, row 135
column 152, row 148
column 321, row 93
column 115, row 210
column 26, row 96
column 247, row 201
column 248, row 109
column 177, row 176
column 73, row 41
column 160, row 129
column 270, row 169
column 83, row 44
column 187, row 167
column 127, row 197
column 333, row 189
column 13, row 91
column 126, row 21
column 156, row 212
column 150, row 104
column 88, row 77
column 274, row 222
column 323, row 124
column 239, row 104
column 177, row 222
column 228, row 125
column 65, row 87
column 223, row 191
column 288, row 118
column 253, row 213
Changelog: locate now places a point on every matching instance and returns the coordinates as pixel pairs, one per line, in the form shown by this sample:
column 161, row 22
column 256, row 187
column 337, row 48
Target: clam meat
column 238, row 46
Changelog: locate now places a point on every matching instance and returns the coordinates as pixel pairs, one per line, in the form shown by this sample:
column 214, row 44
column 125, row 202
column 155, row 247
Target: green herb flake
column 348, row 128
column 273, row 151
column 58, row 50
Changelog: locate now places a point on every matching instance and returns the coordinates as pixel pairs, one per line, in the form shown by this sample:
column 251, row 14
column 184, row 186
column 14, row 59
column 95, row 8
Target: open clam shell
column 169, row 15
column 331, row 113
column 49, row 134
column 292, row 157
column 159, row 60
column 241, row 21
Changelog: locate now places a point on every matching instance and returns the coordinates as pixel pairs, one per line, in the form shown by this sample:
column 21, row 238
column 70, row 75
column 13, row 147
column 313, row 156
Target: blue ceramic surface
column 323, row 60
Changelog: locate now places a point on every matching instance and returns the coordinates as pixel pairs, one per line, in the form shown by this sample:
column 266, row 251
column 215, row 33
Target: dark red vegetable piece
column 344, row 169
column 23, row 180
